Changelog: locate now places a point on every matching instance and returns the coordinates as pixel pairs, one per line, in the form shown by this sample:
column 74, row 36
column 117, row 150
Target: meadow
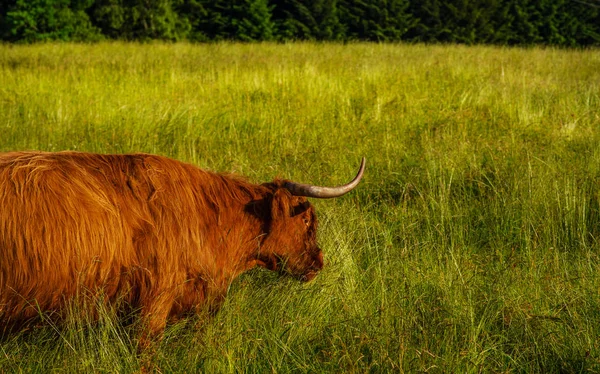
column 471, row 245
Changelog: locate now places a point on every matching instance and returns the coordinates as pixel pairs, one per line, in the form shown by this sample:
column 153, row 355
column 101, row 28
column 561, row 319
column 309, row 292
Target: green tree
column 307, row 20
column 586, row 31
column 430, row 25
column 252, row 20
column 524, row 19
column 462, row 21
column 376, row 20
column 512, row 22
column 329, row 25
column 39, row 20
column 568, row 23
column 195, row 14
column 140, row 19
column 244, row 20
column 5, row 7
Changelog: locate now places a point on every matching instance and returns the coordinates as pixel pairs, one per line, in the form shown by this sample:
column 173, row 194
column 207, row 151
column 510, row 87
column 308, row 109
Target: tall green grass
column 470, row 246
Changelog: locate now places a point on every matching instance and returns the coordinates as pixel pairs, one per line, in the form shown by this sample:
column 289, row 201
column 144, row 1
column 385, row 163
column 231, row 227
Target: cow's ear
column 280, row 206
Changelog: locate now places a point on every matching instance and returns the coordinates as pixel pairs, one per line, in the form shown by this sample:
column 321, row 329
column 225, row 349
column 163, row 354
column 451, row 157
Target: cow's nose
column 315, row 267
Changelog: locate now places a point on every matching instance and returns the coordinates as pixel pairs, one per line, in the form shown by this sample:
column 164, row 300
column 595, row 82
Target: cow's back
column 70, row 222
column 156, row 233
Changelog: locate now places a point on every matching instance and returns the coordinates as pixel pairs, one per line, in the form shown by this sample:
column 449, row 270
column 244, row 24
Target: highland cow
column 161, row 235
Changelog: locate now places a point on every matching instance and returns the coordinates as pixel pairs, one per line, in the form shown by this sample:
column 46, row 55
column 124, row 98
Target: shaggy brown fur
column 162, row 235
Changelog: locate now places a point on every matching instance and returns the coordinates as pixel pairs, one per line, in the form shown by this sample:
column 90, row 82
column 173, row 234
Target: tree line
column 505, row 22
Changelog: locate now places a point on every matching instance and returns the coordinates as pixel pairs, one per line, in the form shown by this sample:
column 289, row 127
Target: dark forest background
column 505, row 22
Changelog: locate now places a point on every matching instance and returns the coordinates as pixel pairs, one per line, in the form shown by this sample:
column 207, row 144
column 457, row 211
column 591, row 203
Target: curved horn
column 308, row 190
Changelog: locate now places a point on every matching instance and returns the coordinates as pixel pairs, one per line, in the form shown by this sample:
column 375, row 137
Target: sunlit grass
column 470, row 246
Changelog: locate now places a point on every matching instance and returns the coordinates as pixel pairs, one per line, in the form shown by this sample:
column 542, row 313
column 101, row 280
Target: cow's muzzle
column 314, row 268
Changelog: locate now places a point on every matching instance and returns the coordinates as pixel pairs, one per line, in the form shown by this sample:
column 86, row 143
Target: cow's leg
column 154, row 314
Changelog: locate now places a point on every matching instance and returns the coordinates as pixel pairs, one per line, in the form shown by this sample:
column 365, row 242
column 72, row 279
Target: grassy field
column 472, row 245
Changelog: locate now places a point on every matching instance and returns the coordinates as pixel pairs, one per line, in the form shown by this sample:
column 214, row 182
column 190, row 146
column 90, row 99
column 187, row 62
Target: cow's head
column 291, row 242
